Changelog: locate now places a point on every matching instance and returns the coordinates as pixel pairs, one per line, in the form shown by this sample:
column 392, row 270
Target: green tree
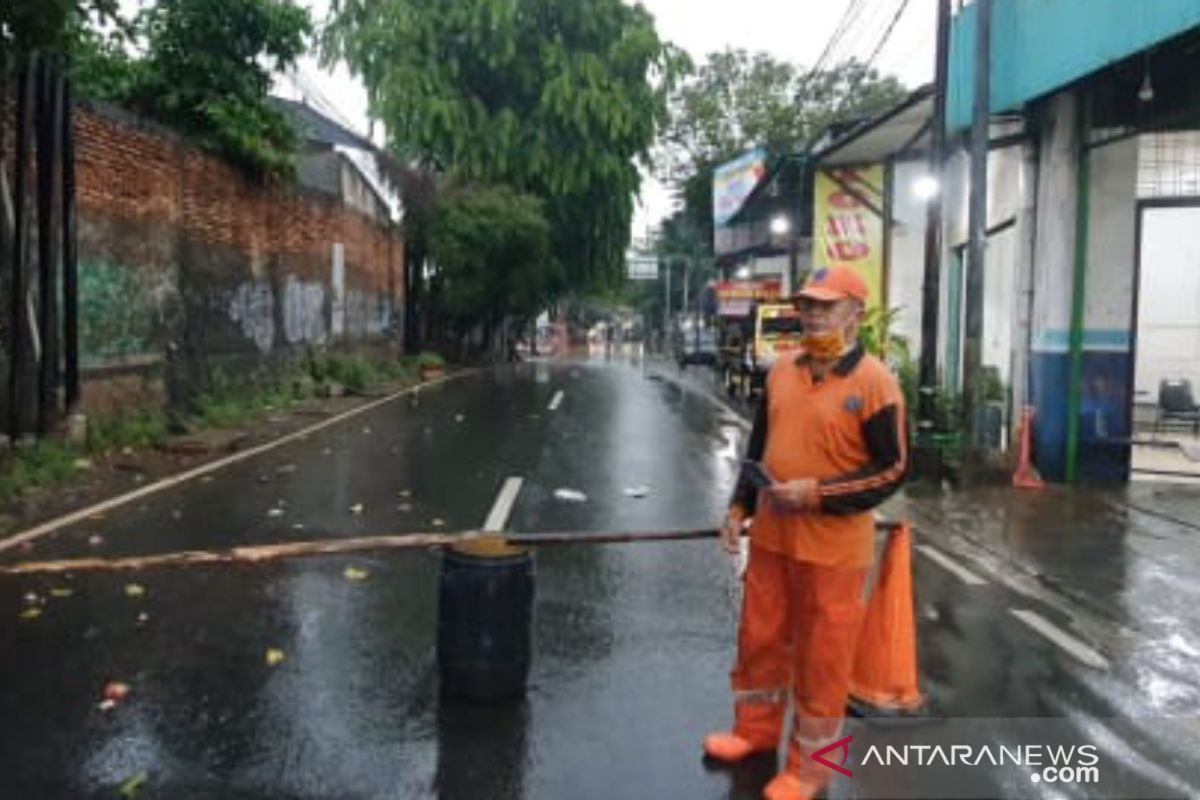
column 556, row 98
column 202, row 67
column 492, row 248
column 48, row 24
column 736, row 100
column 208, row 73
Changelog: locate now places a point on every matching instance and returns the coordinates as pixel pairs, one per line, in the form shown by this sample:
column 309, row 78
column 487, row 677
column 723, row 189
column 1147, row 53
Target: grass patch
column 44, row 464
column 224, row 405
column 106, row 434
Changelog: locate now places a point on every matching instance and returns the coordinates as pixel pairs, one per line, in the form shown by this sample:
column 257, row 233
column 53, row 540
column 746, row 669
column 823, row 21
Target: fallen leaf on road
column 357, row 508
column 437, row 522
column 130, row 789
column 61, row 593
column 637, row 491
column 274, row 657
column 355, row 574
column 570, row 495
column 30, row 614
column 134, row 590
column 95, row 541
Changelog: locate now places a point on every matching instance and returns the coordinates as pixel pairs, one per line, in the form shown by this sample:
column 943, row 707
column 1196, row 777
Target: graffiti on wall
column 304, row 312
column 252, row 307
column 121, row 312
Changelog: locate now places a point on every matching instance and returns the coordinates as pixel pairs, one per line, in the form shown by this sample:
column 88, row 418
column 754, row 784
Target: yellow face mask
column 824, row 346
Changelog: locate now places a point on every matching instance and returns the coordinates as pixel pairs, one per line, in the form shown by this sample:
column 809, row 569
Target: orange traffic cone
column 1026, row 475
column 885, row 667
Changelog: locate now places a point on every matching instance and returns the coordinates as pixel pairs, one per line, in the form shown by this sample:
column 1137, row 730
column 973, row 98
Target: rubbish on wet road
column 116, row 691
column 570, row 496
column 637, row 492
column 30, row 614
column 355, row 574
column 357, row 508
column 132, row 787
column 275, row 512
column 61, row 593
column 135, row 590
column 437, row 522
column 96, row 540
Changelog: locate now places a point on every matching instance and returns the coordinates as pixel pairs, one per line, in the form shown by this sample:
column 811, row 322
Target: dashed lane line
column 502, row 508
column 950, row 565
column 1078, row 649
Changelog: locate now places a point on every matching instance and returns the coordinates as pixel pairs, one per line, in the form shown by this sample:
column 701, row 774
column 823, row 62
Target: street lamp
column 926, row 187
column 781, row 226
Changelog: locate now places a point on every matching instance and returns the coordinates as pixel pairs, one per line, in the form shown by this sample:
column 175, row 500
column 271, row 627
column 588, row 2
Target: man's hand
column 731, row 530
column 793, row 497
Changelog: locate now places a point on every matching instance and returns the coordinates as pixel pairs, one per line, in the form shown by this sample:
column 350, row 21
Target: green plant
column 46, row 463
column 430, row 359
column 145, row 429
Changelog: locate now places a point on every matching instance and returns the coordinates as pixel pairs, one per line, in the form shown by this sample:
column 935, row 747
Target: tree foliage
column 204, row 69
column 736, row 100
column 492, row 246
column 556, row 98
column 27, row 25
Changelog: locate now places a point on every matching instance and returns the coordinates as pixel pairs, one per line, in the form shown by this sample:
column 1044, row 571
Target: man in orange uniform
column 831, row 434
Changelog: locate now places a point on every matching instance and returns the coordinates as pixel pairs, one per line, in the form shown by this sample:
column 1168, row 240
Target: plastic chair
column 1177, row 404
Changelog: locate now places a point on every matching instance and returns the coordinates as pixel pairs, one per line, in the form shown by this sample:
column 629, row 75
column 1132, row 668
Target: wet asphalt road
column 633, row 642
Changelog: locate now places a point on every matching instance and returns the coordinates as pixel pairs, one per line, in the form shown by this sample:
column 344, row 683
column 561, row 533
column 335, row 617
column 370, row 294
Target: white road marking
column 166, row 483
column 1081, row 651
column 555, row 401
column 502, row 508
column 950, row 565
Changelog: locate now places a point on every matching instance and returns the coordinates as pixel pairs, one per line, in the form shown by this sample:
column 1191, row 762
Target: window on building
column 1169, row 164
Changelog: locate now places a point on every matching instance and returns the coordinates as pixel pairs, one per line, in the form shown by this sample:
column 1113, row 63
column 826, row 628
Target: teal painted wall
column 1041, row 45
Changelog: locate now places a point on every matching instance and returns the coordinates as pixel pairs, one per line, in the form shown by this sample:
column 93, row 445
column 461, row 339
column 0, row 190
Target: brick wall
column 187, row 266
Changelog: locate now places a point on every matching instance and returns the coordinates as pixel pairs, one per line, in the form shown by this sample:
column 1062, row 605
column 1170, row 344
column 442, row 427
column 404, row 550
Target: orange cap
column 835, row 283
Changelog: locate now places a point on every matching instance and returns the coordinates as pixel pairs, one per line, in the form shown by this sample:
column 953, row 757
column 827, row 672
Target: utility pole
column 977, row 248
column 927, row 458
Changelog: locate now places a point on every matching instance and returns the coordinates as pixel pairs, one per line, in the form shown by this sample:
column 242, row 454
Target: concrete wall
column 906, row 270
column 187, row 267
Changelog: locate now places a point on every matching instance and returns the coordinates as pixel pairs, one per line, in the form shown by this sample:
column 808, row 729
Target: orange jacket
column 847, row 431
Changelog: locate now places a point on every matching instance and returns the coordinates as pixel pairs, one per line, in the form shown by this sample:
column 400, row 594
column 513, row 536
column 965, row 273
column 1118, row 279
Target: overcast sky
column 792, row 30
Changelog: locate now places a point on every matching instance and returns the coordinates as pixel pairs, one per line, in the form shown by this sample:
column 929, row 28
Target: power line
column 888, row 33
column 852, row 10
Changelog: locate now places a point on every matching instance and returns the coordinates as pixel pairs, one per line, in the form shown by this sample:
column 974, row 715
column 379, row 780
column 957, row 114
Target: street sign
column 641, row 266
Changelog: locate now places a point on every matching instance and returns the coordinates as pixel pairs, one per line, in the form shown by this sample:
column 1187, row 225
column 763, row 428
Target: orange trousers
column 799, row 628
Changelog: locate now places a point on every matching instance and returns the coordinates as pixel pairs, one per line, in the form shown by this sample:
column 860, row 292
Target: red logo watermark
column 844, row 746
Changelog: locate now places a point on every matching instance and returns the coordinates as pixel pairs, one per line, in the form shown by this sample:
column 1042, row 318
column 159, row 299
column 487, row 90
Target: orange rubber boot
column 729, row 748
column 789, row 786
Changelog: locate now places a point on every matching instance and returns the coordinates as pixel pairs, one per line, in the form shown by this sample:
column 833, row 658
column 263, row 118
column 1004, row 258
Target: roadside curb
column 52, row 525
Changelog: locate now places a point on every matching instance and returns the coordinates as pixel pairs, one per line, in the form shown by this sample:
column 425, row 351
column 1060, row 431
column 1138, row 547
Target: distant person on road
column 830, row 433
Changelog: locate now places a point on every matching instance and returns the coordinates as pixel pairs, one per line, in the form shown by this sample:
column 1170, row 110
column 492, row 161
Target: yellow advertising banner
column 848, row 223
